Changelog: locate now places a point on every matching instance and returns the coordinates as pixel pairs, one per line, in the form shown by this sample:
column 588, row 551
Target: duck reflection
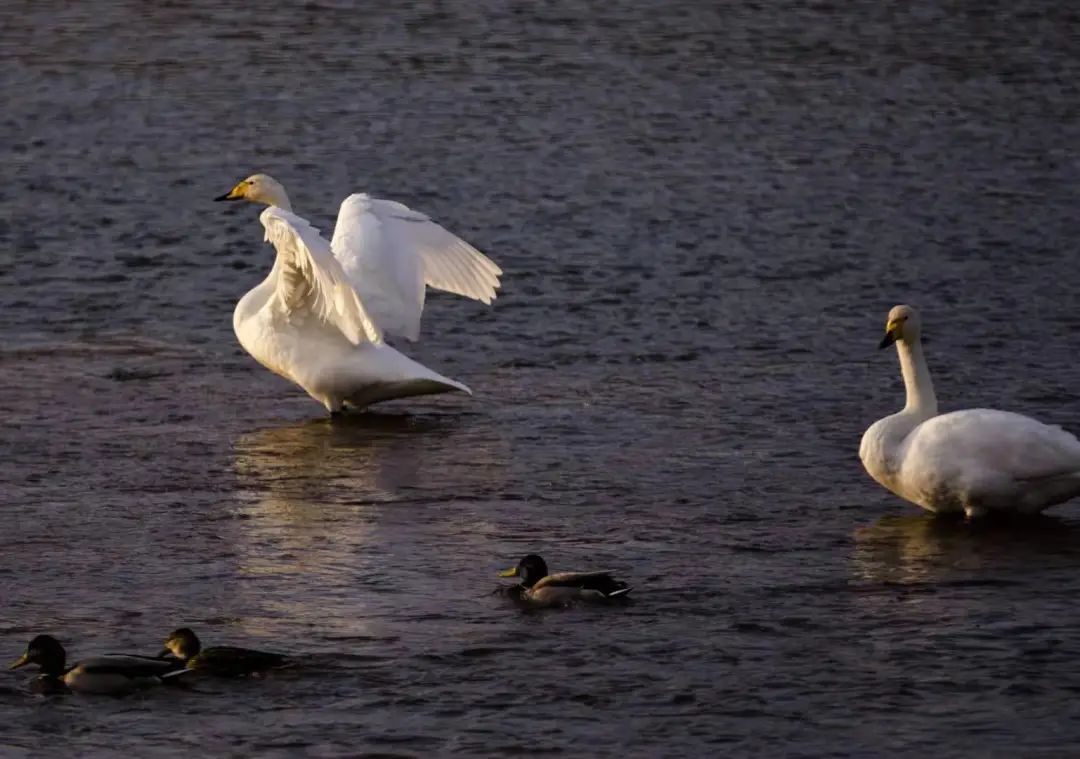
column 925, row 548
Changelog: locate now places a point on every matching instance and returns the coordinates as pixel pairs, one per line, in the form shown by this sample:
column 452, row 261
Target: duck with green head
column 229, row 661
column 112, row 674
column 539, row 588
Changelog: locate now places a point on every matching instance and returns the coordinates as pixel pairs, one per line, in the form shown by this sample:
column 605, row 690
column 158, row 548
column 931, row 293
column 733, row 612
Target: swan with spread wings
column 320, row 317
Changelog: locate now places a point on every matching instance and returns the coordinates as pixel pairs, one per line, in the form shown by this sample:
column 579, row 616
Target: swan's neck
column 278, row 198
column 919, row 387
column 273, row 195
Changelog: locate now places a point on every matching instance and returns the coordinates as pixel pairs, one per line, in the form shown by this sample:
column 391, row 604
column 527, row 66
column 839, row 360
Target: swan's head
column 903, row 325
column 259, row 188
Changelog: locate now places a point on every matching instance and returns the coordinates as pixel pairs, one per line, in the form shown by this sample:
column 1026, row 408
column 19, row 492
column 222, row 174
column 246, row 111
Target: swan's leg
column 336, row 406
column 973, row 511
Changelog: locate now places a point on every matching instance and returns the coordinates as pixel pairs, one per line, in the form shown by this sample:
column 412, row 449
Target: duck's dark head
column 530, row 570
column 182, row 643
column 46, row 652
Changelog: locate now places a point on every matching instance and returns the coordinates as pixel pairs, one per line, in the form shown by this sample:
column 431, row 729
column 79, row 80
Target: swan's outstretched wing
column 390, row 253
column 311, row 277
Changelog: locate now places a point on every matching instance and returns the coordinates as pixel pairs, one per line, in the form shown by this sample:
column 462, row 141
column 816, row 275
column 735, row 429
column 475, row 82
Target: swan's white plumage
column 987, row 440
column 973, row 461
column 391, row 252
column 312, row 279
column 318, row 319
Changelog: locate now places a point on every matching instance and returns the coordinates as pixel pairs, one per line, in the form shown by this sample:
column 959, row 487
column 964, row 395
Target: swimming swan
column 319, row 318
column 975, row 461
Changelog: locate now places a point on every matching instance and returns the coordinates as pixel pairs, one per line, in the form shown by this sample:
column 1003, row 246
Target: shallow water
column 704, row 215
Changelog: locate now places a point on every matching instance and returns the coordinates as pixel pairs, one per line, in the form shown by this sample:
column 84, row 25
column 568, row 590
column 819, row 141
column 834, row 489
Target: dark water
column 704, row 212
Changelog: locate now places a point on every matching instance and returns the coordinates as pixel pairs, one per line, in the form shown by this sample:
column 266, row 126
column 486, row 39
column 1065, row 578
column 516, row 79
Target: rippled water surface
column 704, row 211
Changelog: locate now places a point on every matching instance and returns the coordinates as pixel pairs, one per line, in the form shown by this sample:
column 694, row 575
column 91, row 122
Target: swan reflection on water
column 355, row 496
column 326, row 510
column 923, row 548
column 299, row 469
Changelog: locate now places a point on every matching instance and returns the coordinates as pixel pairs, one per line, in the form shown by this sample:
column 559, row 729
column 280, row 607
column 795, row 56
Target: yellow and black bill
column 892, row 334
column 236, row 193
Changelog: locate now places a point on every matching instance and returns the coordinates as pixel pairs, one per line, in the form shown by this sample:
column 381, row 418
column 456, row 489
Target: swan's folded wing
column 390, row 253
column 311, row 277
column 993, row 441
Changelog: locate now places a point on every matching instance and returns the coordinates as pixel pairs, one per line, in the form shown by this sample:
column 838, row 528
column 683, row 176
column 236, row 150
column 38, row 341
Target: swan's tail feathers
column 381, row 373
column 461, row 387
column 1066, row 473
column 388, row 391
column 424, row 381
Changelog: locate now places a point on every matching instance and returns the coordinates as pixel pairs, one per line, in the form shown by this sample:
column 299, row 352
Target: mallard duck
column 538, row 588
column 231, row 661
column 112, row 674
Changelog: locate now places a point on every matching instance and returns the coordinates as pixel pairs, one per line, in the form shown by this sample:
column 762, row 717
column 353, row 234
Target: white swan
column 318, row 319
column 975, row 461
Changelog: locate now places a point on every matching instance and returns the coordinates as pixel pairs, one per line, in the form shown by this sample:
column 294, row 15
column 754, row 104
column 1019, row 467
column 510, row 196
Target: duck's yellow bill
column 512, row 572
column 22, row 661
